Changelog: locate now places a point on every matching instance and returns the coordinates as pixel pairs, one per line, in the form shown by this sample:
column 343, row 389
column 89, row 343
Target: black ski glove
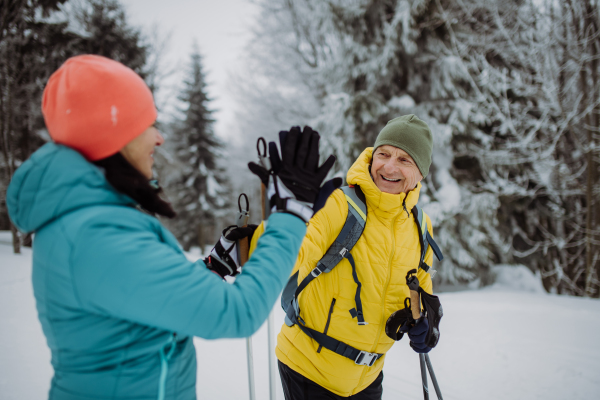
column 223, row 259
column 294, row 180
column 399, row 322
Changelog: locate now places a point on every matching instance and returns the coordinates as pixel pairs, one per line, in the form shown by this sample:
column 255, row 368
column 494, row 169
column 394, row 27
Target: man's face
column 394, row 171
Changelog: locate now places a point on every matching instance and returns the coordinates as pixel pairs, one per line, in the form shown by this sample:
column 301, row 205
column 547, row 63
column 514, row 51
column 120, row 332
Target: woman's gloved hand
column 417, row 335
column 223, row 259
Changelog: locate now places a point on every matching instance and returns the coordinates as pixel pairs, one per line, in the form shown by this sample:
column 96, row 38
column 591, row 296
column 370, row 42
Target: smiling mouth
column 390, row 180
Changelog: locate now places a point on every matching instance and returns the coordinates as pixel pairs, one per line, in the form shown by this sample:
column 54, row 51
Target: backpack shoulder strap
column 425, row 240
column 340, row 248
column 357, row 203
column 350, row 233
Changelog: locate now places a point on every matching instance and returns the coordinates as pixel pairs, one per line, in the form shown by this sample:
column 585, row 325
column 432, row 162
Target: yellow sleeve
column 424, row 277
column 260, row 229
column 322, row 230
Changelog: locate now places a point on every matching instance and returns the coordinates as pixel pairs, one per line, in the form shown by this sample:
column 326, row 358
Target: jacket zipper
column 328, row 320
column 387, row 283
column 164, row 361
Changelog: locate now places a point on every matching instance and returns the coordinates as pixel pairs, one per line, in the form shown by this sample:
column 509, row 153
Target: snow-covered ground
column 496, row 344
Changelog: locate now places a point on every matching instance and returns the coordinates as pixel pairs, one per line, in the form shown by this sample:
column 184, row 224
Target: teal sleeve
column 125, row 270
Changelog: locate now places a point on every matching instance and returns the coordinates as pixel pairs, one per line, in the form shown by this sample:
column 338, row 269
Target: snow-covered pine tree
column 501, row 89
column 190, row 170
column 36, row 37
column 362, row 63
column 535, row 81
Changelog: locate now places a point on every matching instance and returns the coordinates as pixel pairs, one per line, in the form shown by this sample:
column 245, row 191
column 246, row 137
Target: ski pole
column 242, row 221
column 415, row 306
column 433, row 379
column 242, row 248
column 424, row 376
column 250, row 368
column 265, row 162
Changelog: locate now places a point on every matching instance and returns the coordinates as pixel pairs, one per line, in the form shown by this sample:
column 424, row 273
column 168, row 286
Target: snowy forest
column 39, row 35
column 511, row 91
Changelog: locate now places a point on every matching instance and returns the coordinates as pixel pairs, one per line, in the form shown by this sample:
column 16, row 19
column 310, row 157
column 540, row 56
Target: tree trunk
column 27, row 240
column 591, row 30
column 7, row 149
column 16, row 240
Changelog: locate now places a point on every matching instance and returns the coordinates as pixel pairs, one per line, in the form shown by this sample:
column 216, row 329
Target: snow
column 507, row 341
column 404, row 102
column 516, row 277
column 25, row 369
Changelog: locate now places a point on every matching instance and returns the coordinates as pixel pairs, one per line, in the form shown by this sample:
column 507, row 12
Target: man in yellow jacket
column 389, row 175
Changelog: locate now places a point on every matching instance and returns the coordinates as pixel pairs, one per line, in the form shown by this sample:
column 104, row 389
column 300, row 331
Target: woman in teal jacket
column 117, row 299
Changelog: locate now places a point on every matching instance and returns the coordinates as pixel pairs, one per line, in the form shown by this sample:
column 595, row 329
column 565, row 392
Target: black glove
column 223, row 259
column 417, row 335
column 294, row 180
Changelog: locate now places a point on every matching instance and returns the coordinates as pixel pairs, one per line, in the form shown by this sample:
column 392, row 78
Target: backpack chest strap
column 360, row 357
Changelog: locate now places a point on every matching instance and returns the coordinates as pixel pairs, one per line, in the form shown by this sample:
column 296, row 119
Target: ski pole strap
column 360, row 357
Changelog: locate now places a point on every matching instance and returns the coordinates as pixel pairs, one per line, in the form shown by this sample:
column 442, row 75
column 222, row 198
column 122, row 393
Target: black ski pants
column 297, row 387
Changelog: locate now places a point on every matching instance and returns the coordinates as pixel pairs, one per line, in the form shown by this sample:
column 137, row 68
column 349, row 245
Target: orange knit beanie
column 96, row 106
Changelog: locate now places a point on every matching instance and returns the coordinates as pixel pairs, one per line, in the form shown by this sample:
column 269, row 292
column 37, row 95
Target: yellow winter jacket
column 386, row 251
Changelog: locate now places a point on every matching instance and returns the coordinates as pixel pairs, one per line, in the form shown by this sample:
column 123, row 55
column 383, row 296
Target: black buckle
column 316, row 272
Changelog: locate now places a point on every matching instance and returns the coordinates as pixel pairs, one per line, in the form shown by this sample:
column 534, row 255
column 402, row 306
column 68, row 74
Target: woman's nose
column 159, row 138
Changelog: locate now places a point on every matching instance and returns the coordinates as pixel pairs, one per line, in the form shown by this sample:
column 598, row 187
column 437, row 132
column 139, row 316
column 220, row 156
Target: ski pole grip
column 265, row 162
column 244, row 249
column 242, row 222
column 415, row 304
column 264, row 202
column 413, row 285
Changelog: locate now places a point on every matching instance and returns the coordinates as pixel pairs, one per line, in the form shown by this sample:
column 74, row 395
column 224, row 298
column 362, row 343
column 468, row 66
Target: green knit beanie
column 410, row 134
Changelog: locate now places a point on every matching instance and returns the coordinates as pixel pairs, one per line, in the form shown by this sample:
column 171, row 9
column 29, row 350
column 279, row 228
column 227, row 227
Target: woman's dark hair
column 129, row 181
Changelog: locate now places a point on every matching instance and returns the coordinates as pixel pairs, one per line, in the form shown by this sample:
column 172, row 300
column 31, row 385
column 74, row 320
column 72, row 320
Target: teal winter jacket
column 117, row 299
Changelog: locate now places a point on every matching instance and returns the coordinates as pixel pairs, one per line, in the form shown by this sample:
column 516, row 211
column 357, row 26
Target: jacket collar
column 385, row 205
column 54, row 181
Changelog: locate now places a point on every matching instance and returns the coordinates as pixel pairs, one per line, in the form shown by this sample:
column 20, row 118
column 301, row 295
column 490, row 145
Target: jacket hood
column 54, row 181
column 385, row 205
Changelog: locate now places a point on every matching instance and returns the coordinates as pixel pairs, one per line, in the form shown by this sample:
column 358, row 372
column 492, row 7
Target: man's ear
column 421, row 175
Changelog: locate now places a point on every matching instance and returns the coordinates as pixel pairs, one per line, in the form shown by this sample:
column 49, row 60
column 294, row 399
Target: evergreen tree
column 509, row 90
column 193, row 179
column 364, row 63
column 109, row 34
column 21, row 68
column 37, row 36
